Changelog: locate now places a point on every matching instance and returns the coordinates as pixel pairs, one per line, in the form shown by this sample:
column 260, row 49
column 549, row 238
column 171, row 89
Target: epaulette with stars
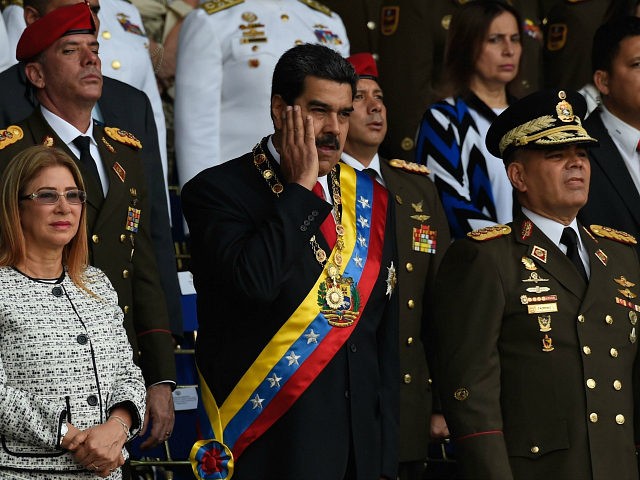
column 489, row 233
column 409, row 166
column 10, row 135
column 123, row 137
column 612, row 234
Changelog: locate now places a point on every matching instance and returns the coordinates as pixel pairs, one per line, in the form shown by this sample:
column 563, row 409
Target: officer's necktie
column 82, row 143
column 569, row 239
column 328, row 227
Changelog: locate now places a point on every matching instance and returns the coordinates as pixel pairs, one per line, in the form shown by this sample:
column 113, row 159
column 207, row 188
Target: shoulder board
column 317, row 6
column 409, row 166
column 489, row 233
column 123, row 137
column 612, row 234
column 10, row 135
column 213, row 6
column 5, row 3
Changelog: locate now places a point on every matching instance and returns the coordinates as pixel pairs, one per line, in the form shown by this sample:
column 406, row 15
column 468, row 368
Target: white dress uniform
column 227, row 52
column 14, row 22
column 7, row 56
column 124, row 52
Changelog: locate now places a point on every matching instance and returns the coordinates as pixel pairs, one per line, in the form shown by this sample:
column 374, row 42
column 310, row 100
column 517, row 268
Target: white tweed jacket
column 64, row 355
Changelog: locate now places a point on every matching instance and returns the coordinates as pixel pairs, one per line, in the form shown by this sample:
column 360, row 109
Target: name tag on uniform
column 543, row 308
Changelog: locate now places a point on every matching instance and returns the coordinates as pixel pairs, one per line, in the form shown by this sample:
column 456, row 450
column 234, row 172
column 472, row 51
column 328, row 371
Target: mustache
column 328, row 140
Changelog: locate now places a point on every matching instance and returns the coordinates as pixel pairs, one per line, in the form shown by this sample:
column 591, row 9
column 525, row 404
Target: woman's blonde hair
column 23, row 168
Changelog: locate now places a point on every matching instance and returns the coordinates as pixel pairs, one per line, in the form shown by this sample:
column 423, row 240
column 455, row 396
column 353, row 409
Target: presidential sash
column 306, row 342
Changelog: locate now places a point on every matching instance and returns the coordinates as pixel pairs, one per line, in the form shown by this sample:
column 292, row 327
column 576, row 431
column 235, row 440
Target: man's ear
column 30, row 15
column 601, row 81
column 278, row 109
column 35, row 75
column 516, row 174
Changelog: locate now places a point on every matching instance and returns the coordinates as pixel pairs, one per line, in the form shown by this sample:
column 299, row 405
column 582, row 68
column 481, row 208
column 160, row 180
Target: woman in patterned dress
column 70, row 394
column 482, row 56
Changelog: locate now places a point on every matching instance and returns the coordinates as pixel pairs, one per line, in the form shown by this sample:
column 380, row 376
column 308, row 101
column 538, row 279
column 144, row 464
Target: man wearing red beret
column 422, row 237
column 60, row 56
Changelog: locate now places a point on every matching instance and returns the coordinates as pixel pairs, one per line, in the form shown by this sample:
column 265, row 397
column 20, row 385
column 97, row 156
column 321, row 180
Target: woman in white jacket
column 70, row 394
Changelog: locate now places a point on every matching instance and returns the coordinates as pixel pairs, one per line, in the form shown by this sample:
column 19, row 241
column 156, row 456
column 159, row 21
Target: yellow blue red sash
column 302, row 347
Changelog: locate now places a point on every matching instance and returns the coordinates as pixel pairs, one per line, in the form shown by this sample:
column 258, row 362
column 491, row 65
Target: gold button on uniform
column 116, row 65
column 406, row 378
column 429, row 381
column 619, row 419
column 587, row 350
column 95, row 238
column 409, row 340
column 608, row 319
column 613, row 352
column 535, row 449
column 581, row 318
column 284, row 17
column 411, row 304
column 125, row 273
column 106, row 34
column 371, row 25
column 406, row 144
column 461, row 394
column 409, row 267
column 123, row 237
column 591, row 383
column 126, row 309
column 593, row 417
column 617, row 385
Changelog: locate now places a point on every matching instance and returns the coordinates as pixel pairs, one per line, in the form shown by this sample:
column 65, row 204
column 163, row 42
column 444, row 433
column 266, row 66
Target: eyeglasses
column 48, row 196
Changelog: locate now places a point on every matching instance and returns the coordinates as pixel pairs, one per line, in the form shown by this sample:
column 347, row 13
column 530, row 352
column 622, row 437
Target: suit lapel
column 549, row 257
column 613, row 166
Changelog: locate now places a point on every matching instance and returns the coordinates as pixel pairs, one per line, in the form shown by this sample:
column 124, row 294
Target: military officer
column 123, row 51
column 226, row 56
column 422, row 236
column 536, row 321
column 570, row 26
column 67, row 82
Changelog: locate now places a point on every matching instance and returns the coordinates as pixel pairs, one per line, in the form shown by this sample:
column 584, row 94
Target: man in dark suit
column 422, row 235
column 119, row 245
column 536, row 321
column 298, row 337
column 614, row 194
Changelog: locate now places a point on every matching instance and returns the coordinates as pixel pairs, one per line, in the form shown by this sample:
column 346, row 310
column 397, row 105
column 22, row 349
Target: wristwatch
column 63, row 431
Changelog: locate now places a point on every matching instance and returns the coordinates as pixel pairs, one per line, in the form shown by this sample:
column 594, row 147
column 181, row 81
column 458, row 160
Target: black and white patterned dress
column 64, row 355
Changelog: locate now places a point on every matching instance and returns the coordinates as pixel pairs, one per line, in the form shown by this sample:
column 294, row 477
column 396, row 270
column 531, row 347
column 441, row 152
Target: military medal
column 424, row 239
column 539, row 253
column 627, row 293
column 527, row 228
column 538, row 289
column 602, row 257
column 47, row 141
column 547, row 298
column 133, row 214
column 622, row 281
column 392, row 279
column 547, row 343
column 120, row 172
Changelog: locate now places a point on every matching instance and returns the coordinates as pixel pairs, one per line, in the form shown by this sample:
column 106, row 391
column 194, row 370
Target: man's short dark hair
column 309, row 60
column 39, row 6
column 607, row 39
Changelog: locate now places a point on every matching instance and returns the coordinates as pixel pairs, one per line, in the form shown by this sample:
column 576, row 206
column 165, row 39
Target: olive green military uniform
column 536, row 366
column 361, row 19
column 422, row 236
column 119, row 240
column 570, row 26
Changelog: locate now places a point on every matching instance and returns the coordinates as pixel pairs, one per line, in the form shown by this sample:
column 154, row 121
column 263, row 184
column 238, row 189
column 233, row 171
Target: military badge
column 390, row 16
column 602, row 257
column 461, row 394
column 399, row 199
column 627, row 293
column 623, row 282
column 535, row 278
column 10, row 136
column 406, row 144
column 417, row 207
column 547, row 343
column 339, row 301
column 544, row 322
column 557, row 36
column 539, row 253
column 633, row 318
column 392, row 279
column 564, row 110
column 529, row 264
column 420, row 218
column 326, row 36
column 120, row 172
column 253, row 33
column 133, row 219
column 632, row 335
column 526, row 229
column 108, row 145
column 126, row 24
column 538, row 289
column 532, row 30
column 628, row 304
column 424, row 239
column 249, row 17
column 525, row 300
